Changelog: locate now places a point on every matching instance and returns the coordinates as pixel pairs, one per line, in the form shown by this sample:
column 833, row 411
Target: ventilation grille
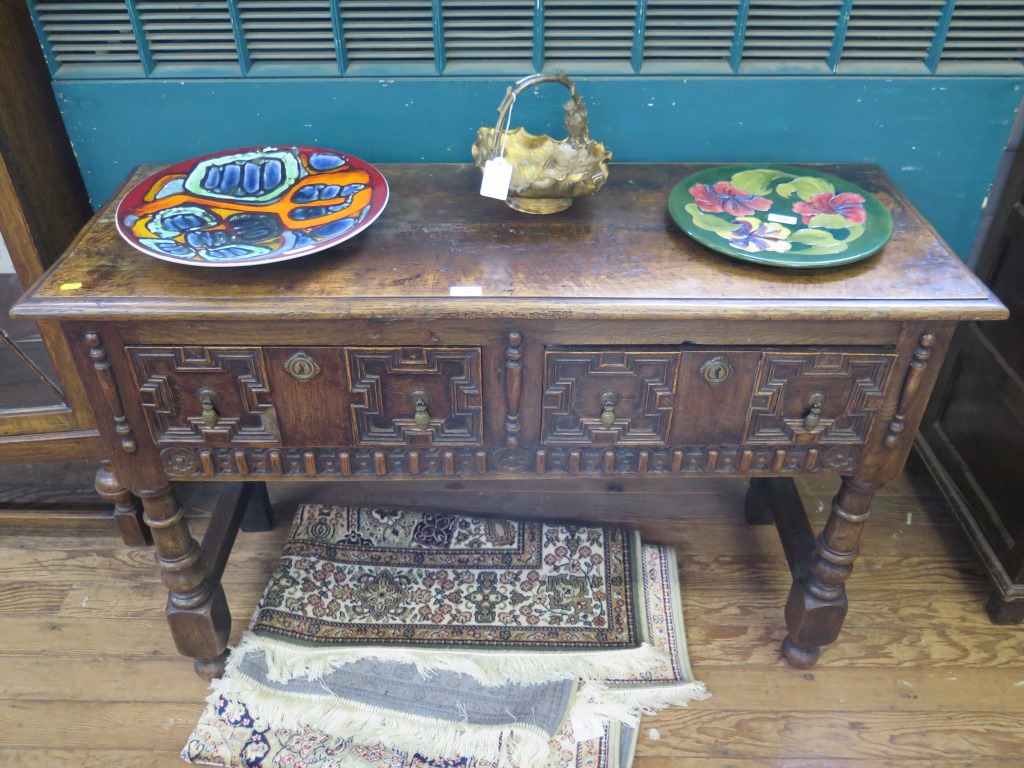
column 396, row 31
column 892, row 30
column 270, row 38
column 297, row 32
column 501, row 30
column 94, row 35
column 798, row 31
column 192, row 34
column 589, row 30
column 985, row 33
column 684, row 32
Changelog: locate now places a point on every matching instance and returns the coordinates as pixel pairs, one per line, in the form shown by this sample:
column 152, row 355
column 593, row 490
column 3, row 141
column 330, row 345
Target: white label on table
column 465, row 290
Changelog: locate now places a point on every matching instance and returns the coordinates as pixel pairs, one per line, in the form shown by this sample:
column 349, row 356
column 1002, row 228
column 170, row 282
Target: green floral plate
column 780, row 215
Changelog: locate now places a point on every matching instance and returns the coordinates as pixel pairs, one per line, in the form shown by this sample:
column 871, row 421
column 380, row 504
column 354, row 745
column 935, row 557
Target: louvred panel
column 790, row 31
column 682, row 31
column 281, row 33
column 588, row 30
column 89, row 33
column 400, row 31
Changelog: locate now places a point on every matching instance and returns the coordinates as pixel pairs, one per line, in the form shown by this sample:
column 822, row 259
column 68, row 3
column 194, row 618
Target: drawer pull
column 608, row 400
column 421, row 400
column 812, row 420
column 209, row 399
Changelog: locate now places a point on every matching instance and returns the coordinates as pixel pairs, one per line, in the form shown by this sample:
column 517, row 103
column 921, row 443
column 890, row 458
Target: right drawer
column 711, row 396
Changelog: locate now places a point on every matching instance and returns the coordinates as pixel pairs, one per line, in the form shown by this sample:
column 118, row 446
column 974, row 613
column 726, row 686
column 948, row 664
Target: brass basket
column 546, row 174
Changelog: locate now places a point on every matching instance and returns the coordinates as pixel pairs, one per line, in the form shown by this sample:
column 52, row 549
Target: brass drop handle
column 814, row 403
column 421, row 400
column 608, row 401
column 209, row 399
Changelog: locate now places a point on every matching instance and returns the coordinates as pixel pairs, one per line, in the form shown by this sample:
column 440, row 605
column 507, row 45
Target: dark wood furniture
column 604, row 344
column 973, row 436
column 43, row 205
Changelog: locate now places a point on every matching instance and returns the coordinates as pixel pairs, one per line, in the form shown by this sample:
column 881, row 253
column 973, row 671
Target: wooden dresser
column 602, row 342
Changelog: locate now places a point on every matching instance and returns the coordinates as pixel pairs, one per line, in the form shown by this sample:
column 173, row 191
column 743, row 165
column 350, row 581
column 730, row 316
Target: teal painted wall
column 940, row 138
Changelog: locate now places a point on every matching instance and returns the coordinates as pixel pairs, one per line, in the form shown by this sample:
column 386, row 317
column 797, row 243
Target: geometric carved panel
column 851, row 386
column 170, row 381
column 637, row 388
column 386, row 382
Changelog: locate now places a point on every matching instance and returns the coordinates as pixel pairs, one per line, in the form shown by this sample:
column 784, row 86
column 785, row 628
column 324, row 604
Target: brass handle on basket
column 814, row 402
column 575, row 112
column 209, row 399
column 608, row 400
column 421, row 400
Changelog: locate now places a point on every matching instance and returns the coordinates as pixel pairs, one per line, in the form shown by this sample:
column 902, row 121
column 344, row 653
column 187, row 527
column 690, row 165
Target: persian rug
column 230, row 735
column 443, row 713
column 499, row 600
column 269, row 712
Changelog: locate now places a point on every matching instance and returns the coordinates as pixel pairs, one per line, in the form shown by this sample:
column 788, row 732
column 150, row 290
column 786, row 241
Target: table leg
column 197, row 610
column 127, row 509
column 817, row 604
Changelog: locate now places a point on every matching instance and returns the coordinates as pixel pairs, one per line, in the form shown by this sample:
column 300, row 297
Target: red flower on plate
column 723, row 197
column 849, row 205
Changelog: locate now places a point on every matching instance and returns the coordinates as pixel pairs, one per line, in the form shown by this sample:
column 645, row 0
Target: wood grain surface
column 438, row 232
column 89, row 675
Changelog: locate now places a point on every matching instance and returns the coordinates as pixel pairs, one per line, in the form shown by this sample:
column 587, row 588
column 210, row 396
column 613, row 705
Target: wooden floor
column 89, row 676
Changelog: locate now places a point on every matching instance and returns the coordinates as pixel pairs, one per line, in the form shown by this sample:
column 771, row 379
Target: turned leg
column 127, row 509
column 817, row 601
column 197, row 610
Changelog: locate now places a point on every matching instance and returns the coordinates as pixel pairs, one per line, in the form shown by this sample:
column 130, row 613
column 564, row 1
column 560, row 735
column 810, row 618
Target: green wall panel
column 941, row 139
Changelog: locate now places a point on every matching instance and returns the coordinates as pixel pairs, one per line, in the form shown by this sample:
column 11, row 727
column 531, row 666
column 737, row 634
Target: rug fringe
column 286, row 661
column 519, row 745
column 627, row 703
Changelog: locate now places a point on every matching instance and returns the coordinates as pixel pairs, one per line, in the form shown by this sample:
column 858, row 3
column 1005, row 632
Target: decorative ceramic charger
column 252, row 206
column 780, row 215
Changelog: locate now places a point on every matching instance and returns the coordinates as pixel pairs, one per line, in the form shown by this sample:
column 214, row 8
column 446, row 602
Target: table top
column 617, row 253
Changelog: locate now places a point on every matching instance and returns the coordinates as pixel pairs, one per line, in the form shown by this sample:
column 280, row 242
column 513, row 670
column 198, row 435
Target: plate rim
column 371, row 217
column 781, row 260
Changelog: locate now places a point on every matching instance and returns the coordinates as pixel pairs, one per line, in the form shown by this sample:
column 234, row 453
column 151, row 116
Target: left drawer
column 210, row 395
column 310, row 397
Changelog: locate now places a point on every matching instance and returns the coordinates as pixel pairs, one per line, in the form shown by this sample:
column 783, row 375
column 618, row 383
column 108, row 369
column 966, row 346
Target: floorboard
column 918, row 679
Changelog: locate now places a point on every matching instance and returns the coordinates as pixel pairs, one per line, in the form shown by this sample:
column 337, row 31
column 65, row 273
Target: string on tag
column 497, row 177
column 508, row 124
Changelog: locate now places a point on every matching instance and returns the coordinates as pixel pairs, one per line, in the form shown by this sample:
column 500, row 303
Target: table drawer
column 727, row 396
column 415, row 396
column 827, row 397
column 609, row 396
column 210, row 395
column 310, row 396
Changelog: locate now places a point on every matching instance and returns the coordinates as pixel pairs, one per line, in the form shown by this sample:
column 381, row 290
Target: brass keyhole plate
column 716, row 370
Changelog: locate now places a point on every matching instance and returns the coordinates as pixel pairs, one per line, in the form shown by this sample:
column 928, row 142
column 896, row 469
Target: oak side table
column 602, row 342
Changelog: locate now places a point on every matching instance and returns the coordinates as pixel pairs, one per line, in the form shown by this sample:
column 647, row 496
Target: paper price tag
column 782, row 218
column 497, row 178
column 586, row 728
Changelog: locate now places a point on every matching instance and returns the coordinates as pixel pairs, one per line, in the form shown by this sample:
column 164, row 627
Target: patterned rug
column 332, row 715
column 231, row 736
column 499, row 600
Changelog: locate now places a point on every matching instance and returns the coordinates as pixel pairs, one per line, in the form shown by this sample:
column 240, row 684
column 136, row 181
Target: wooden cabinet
column 43, row 204
column 570, row 366
column 974, row 435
